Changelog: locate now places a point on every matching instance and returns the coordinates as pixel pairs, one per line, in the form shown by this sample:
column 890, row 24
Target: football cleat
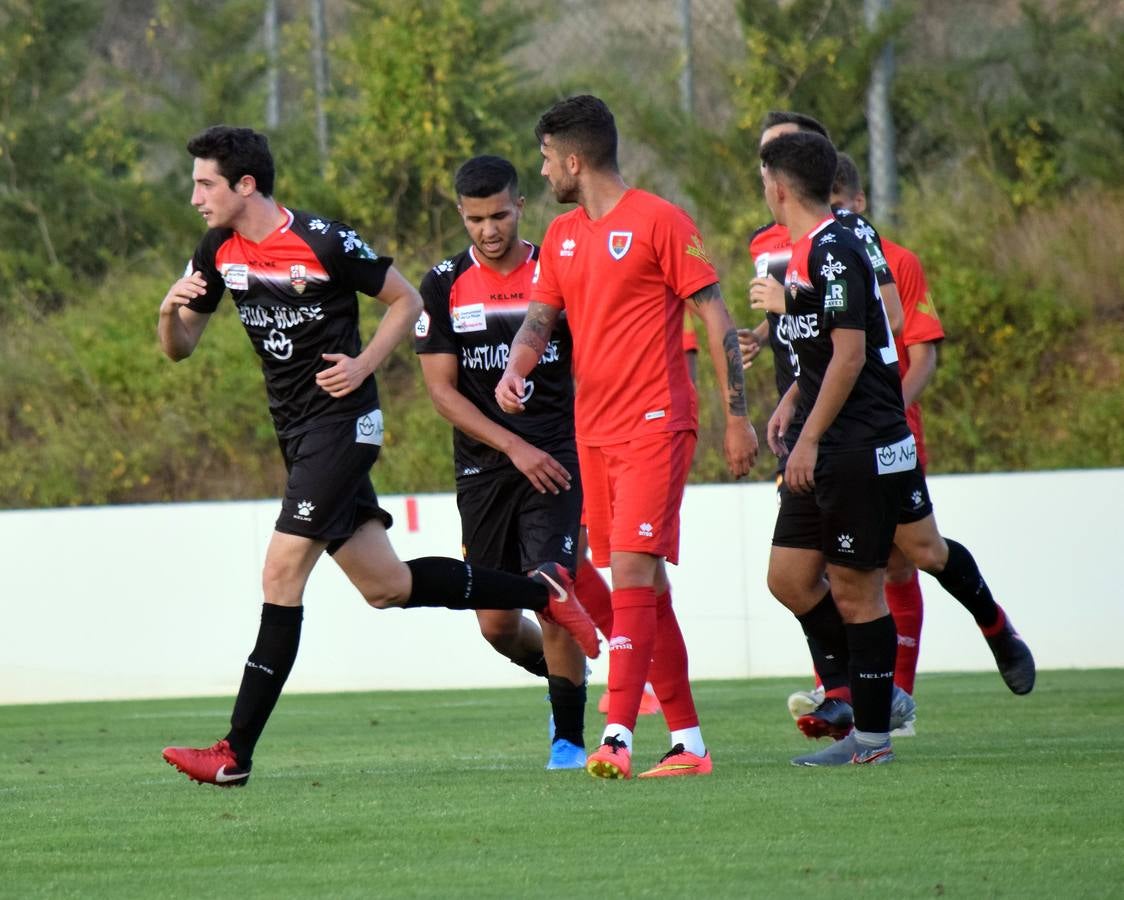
column 210, row 765
column 610, row 760
column 1013, row 658
column 800, row 703
column 564, row 609
column 846, row 752
column 833, row 718
column 564, row 755
column 678, row 761
column 903, row 713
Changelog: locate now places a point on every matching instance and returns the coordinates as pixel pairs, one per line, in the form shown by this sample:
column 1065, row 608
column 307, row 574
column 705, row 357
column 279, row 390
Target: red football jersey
column 622, row 280
column 921, row 322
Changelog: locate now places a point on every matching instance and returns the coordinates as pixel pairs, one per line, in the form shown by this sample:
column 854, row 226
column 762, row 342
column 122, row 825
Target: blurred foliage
column 1010, row 129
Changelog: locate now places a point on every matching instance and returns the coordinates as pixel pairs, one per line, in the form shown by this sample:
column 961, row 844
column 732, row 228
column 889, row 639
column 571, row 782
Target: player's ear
column 247, row 184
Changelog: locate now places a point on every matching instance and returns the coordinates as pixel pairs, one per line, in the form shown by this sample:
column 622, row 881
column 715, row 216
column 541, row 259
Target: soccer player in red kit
column 621, row 265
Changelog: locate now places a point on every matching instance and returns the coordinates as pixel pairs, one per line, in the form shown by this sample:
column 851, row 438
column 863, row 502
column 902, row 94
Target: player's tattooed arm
column 709, row 302
column 536, row 328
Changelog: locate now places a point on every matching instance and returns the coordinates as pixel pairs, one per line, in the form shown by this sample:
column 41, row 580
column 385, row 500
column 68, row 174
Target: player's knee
column 389, row 591
column 930, row 556
column 500, row 634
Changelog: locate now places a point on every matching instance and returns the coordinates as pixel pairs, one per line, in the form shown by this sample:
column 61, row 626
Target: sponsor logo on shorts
column 368, row 428
column 899, row 457
column 846, row 543
column 654, row 414
column 304, row 510
column 620, row 642
column 421, row 327
column 645, row 530
column 918, row 499
column 905, row 640
column 568, row 545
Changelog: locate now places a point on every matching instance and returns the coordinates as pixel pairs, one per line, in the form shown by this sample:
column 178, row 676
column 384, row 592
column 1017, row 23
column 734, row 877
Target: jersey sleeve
column 203, row 261
column 836, row 273
column 434, row 330
column 868, row 234
column 922, row 325
column 544, row 283
column 353, row 262
column 681, row 254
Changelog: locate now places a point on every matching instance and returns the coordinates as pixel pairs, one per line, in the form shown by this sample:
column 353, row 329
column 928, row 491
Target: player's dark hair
column 583, row 125
column 804, row 123
column 236, row 152
column 807, row 159
column 484, row 176
column 847, row 178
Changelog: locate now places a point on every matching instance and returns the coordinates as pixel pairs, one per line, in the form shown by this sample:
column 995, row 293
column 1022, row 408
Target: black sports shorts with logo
column 506, row 524
column 916, row 503
column 852, row 513
column 329, row 493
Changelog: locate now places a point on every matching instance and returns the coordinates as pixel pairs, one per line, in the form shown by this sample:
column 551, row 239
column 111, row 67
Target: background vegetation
column 1010, row 129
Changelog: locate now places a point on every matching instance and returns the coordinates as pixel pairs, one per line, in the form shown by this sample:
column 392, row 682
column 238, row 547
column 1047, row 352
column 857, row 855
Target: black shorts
column 916, row 502
column 329, row 493
column 851, row 515
column 506, row 524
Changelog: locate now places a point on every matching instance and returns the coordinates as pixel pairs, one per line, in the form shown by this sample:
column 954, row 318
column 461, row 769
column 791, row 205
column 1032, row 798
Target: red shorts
column 633, row 492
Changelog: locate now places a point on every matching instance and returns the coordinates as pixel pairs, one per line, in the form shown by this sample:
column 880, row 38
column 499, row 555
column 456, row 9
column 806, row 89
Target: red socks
column 593, row 594
column 668, row 673
column 630, row 652
column 907, row 608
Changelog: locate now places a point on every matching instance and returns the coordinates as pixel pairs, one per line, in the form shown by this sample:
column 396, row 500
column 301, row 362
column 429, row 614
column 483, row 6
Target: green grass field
column 443, row 794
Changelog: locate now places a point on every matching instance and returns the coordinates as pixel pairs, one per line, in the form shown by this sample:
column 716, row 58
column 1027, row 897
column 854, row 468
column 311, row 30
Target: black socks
column 567, row 700
column 961, row 577
column 266, row 671
column 827, row 641
column 449, row 583
column 874, row 649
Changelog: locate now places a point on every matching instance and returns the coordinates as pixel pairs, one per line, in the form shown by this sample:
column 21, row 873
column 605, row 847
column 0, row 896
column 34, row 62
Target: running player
column 621, row 264
column 294, row 278
column 517, row 487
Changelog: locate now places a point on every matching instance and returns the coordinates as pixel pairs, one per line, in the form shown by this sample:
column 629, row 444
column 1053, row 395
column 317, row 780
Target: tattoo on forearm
column 536, row 328
column 710, row 292
column 735, row 383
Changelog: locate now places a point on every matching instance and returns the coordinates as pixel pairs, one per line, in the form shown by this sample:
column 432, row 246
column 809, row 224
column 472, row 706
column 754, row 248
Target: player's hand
column 778, row 425
column 740, row 446
column 748, row 346
column 344, row 375
column 799, row 471
column 768, row 294
column 188, row 288
column 541, row 469
column 510, row 393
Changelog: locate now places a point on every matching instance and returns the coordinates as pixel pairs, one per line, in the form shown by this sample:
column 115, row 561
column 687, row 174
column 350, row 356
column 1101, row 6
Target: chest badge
column 298, row 278
column 619, row 242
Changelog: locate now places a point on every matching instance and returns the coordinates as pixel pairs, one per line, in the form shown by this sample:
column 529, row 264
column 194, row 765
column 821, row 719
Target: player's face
column 218, row 203
column 493, row 224
column 555, row 169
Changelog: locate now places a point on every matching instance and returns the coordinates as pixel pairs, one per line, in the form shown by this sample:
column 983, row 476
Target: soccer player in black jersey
column 294, row 278
column 854, row 449
column 517, row 488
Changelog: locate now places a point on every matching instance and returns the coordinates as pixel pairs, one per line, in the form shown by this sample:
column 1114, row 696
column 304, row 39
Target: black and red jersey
column 296, row 295
column 473, row 312
column 770, row 248
column 830, row 283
